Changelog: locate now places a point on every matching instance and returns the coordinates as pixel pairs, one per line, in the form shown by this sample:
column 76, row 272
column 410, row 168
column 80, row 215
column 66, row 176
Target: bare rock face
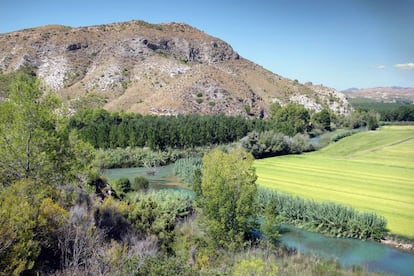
column 154, row 68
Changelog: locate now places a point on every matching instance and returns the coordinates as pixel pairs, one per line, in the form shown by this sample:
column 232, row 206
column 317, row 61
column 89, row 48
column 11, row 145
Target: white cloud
column 405, row 66
column 381, row 66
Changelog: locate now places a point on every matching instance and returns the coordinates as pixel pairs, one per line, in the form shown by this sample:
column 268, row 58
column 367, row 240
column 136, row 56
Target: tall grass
column 325, row 217
column 185, row 168
column 171, row 202
column 143, row 157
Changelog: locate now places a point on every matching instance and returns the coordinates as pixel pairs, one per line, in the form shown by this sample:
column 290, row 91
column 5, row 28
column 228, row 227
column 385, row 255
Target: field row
column 378, row 177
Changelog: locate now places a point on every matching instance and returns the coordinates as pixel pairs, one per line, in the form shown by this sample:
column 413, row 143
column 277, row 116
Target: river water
column 372, row 256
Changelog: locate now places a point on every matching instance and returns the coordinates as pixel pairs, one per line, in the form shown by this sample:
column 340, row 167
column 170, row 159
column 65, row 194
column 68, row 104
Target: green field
column 371, row 171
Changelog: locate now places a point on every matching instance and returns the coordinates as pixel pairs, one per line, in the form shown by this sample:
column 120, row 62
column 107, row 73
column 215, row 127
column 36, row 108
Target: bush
column 112, row 217
column 123, row 185
column 338, row 136
column 140, row 183
column 270, row 143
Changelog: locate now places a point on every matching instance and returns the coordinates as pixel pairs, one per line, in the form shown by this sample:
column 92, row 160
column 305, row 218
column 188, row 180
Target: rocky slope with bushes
column 154, row 69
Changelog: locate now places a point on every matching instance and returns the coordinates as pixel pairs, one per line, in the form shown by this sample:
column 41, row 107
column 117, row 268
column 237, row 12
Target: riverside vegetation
column 59, row 216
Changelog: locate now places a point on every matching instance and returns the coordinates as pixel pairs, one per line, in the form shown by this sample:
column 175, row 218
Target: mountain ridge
column 390, row 94
column 164, row 69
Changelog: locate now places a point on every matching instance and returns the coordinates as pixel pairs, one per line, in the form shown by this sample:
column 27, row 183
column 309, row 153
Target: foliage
column 290, row 119
column 33, row 141
column 389, row 112
column 123, row 185
column 229, row 196
column 196, row 182
column 112, row 218
column 270, row 226
column 322, row 119
column 7, row 80
column 143, row 157
column 372, row 120
column 140, row 183
column 270, row 143
column 185, row 168
column 111, row 130
column 326, row 217
column 339, row 135
column 166, row 266
column 155, row 213
column 175, row 203
column 254, row 266
column 29, row 221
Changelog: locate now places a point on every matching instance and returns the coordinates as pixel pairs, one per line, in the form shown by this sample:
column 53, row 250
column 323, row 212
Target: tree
column 290, row 119
column 34, row 143
column 229, row 196
column 322, row 119
column 372, row 120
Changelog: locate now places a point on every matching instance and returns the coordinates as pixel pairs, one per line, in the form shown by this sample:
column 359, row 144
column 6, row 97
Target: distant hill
column 383, row 94
column 154, row 69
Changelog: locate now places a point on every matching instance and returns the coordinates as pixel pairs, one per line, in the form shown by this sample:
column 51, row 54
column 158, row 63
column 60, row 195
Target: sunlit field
column 371, row 171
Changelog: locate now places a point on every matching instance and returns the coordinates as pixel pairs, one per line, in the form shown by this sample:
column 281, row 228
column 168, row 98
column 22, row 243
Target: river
column 371, row 256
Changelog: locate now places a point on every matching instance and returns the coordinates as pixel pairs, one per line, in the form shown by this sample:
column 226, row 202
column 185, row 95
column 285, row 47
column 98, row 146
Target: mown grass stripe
column 380, row 180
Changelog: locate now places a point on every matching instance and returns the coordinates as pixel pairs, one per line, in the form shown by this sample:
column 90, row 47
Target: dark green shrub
column 123, row 185
column 338, row 136
column 140, row 183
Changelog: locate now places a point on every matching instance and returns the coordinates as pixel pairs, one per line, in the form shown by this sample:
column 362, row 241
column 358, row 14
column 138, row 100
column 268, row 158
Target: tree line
column 103, row 129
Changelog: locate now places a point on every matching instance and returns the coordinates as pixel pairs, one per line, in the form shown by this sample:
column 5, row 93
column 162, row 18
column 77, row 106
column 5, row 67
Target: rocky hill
column 383, row 94
column 154, row 69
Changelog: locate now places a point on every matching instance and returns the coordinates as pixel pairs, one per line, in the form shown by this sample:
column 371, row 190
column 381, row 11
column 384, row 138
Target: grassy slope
column 372, row 171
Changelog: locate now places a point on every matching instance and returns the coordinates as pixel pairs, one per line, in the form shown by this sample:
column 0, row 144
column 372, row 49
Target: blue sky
column 338, row 43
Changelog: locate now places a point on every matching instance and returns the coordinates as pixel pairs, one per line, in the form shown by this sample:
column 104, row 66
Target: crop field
column 371, row 171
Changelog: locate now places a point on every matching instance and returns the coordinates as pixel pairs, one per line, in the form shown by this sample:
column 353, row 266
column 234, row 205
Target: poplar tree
column 229, row 196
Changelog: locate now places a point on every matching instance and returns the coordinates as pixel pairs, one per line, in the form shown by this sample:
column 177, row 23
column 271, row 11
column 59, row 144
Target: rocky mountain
column 154, row 69
column 392, row 94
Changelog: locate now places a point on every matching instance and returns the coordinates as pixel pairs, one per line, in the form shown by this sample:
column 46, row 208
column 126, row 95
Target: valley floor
column 371, row 171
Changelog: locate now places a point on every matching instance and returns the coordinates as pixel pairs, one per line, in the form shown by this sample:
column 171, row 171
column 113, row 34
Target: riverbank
column 400, row 243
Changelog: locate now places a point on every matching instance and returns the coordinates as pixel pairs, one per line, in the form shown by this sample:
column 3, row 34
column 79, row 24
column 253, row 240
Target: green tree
column 33, row 141
column 229, row 196
column 372, row 120
column 290, row 119
column 322, row 119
